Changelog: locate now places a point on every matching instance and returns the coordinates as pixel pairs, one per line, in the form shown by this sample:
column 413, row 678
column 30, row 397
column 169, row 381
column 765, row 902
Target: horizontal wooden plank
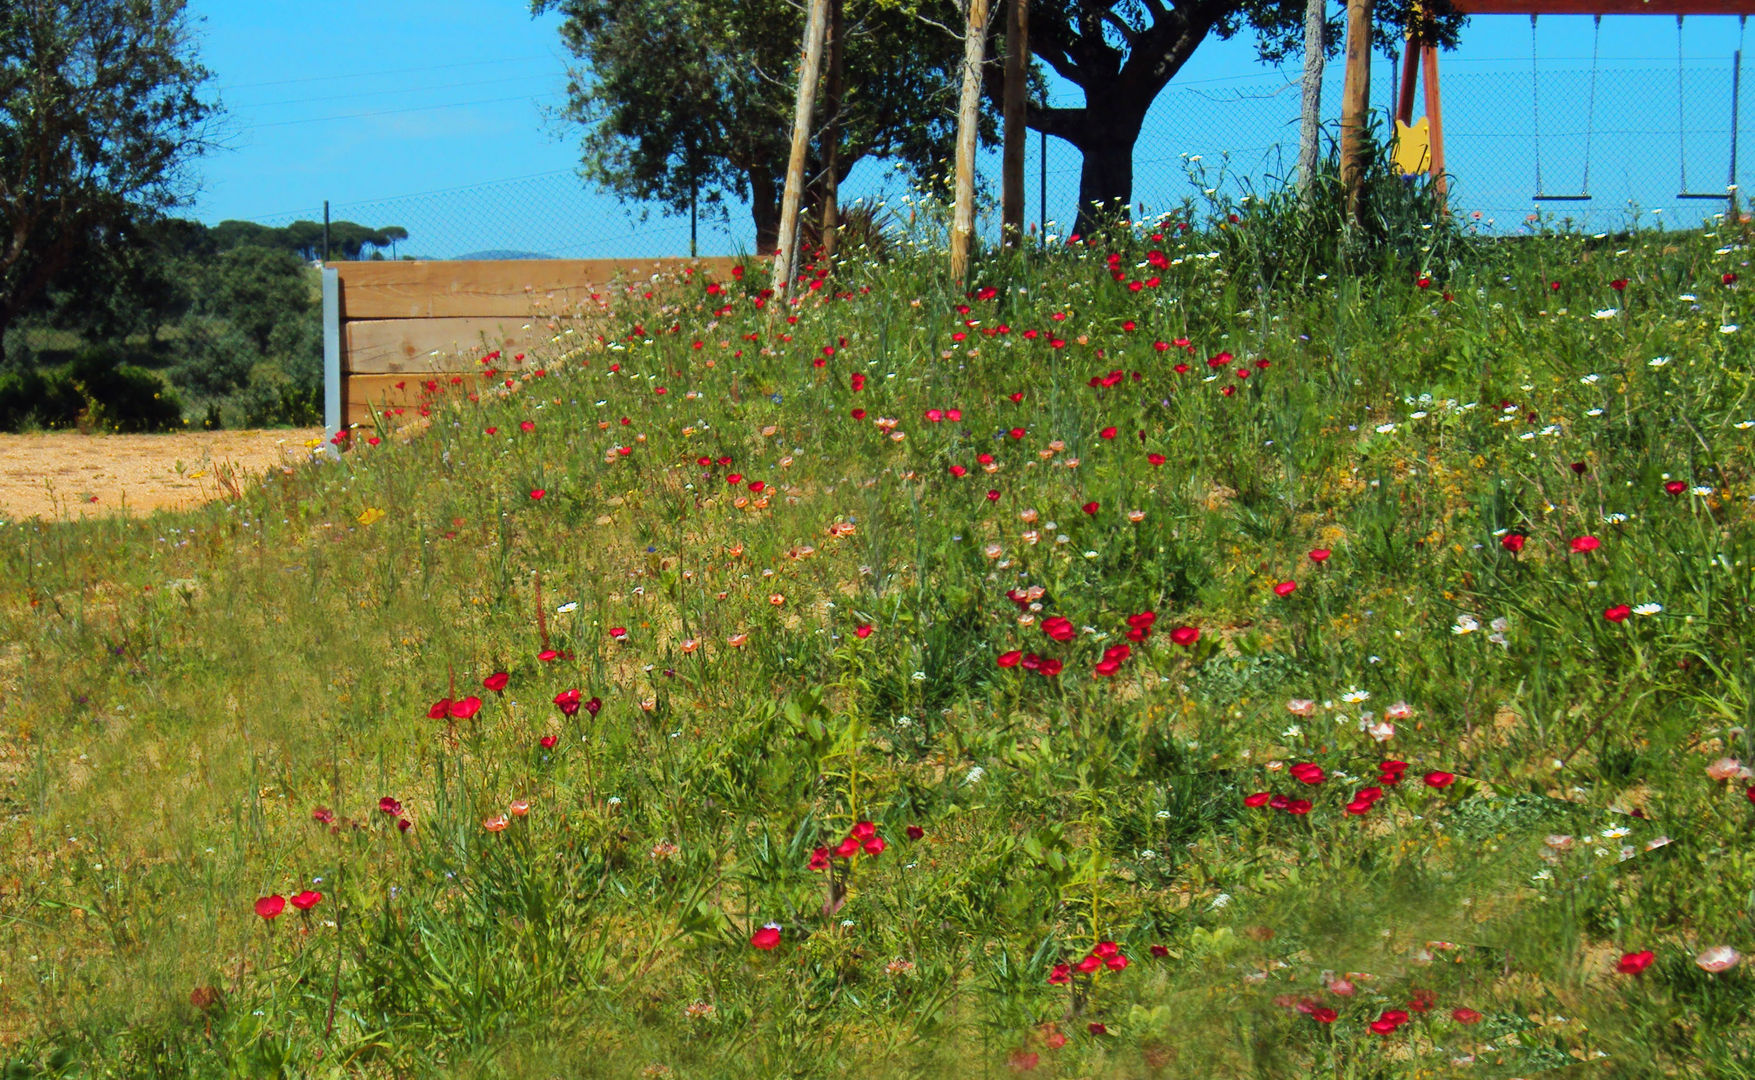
column 361, row 393
column 501, row 288
column 394, row 346
column 1604, row 7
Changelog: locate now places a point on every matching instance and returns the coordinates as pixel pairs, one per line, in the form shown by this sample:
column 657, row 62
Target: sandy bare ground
column 66, row 474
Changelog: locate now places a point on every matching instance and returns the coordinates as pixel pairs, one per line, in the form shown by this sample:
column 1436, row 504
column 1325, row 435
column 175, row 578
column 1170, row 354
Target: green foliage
column 97, row 391
column 678, row 98
column 100, row 111
column 206, row 708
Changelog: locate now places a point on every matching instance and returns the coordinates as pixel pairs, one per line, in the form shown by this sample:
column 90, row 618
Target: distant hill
column 498, row 254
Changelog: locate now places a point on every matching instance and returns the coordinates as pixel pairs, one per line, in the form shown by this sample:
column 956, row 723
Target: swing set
column 1420, row 145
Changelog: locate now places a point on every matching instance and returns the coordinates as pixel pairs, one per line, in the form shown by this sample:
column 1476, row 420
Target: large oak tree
column 1121, row 53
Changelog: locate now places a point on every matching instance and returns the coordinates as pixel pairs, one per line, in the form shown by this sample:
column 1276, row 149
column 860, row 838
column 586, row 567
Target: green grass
column 182, row 693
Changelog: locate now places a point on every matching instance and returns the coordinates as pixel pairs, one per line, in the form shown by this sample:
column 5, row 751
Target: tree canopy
column 100, row 111
column 683, row 95
column 1121, row 53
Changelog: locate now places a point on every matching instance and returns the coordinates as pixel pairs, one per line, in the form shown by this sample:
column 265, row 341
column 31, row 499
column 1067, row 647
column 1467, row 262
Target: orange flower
column 737, row 641
column 776, row 599
column 689, row 645
column 519, row 807
column 497, row 823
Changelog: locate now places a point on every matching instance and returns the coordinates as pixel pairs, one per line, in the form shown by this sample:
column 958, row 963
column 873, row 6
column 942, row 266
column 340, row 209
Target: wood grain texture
column 362, row 393
column 508, row 288
column 397, row 346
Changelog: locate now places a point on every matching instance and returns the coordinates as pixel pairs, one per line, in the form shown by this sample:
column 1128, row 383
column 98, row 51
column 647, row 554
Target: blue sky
column 360, row 103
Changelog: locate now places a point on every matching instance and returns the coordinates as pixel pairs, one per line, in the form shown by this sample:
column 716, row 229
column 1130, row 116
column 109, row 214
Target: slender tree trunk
column 1017, row 62
column 832, row 130
column 1356, row 104
column 968, row 116
column 765, row 209
column 808, row 71
column 1310, row 131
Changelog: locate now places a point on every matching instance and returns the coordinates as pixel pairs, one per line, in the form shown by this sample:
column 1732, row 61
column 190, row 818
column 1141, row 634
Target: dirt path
column 65, row 474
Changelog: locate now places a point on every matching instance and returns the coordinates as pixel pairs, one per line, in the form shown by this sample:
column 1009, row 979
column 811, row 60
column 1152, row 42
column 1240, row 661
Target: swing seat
column 1544, row 197
column 1413, row 147
column 1716, row 196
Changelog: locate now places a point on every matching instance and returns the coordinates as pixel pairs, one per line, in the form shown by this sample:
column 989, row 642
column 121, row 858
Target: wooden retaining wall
column 393, row 331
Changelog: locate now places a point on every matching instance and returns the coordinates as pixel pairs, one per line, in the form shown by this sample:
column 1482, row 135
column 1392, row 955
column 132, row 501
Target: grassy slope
column 181, row 693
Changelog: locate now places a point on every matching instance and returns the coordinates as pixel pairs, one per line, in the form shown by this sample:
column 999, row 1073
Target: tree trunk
column 765, row 209
column 968, row 116
column 801, row 124
column 1355, row 104
column 832, row 130
column 1310, row 130
column 1017, row 63
column 1106, row 175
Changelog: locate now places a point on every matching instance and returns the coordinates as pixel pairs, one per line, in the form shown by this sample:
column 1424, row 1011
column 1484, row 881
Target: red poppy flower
column 464, row 708
column 1117, row 962
column 847, row 848
column 1096, row 1027
column 1009, row 659
column 819, row 859
column 914, row 832
column 766, row 938
column 1437, row 779
column 270, row 907
column 547, row 742
column 538, row 493
column 618, row 632
column 1635, row 962
column 1583, row 544
column 1023, row 1060
column 1059, row 627
column 593, row 705
column 307, row 900
column 1090, row 963
column 1061, row 975
column 526, row 425
column 1322, row 1014
column 875, row 845
column 496, row 682
column 1675, row 487
column 568, row 702
column 547, row 655
column 1090, row 507
column 1185, row 635
column 1729, row 278
column 1260, row 798
column 1617, row 613
column 1107, row 433
column 389, row 806
column 862, row 631
column 1465, row 1015
column 1308, row 773
column 1298, row 806
column 1285, row 588
column 1160, row 951
column 1156, row 459
column 323, row 814
column 439, row 709
column 1422, row 1001
column 1513, row 542
column 1618, row 284
column 992, row 494
column 1050, row 668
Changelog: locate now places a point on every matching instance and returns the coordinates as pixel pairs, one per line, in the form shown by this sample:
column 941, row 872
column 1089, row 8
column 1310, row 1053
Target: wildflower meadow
column 1163, row 654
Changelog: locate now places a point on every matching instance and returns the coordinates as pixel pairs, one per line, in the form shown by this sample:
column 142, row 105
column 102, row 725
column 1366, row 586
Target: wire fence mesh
column 1634, row 138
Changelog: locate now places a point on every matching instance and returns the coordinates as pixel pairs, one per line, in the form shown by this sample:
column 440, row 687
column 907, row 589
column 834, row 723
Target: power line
column 385, row 71
column 391, row 112
column 399, row 90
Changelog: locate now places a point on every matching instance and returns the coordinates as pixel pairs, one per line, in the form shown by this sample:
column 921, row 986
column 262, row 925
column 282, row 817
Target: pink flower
column 1635, row 962
column 270, row 907
column 1285, row 588
column 1584, row 544
column 767, row 937
column 306, row 900
column 1718, row 958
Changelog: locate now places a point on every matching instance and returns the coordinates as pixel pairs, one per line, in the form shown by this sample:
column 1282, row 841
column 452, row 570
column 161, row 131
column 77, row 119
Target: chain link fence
column 1631, row 137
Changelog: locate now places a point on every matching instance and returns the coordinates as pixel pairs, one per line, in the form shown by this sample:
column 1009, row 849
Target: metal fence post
column 332, row 418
